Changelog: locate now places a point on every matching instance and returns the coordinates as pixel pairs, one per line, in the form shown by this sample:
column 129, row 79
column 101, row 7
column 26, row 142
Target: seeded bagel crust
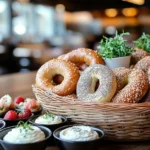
column 87, row 82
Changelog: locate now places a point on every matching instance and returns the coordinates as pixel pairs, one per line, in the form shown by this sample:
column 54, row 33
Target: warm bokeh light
column 138, row 2
column 129, row 12
column 82, row 17
column 23, row 1
column 120, row 22
column 111, row 12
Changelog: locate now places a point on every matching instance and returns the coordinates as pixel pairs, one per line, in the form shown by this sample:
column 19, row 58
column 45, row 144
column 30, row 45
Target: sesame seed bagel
column 135, row 89
column 146, row 97
column 83, row 55
column 88, row 80
column 137, row 55
column 45, row 75
column 148, row 74
column 143, row 64
column 121, row 77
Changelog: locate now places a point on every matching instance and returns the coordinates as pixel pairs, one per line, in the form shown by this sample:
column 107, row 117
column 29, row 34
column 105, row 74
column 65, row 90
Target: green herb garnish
column 48, row 115
column 114, row 47
column 143, row 42
column 24, row 125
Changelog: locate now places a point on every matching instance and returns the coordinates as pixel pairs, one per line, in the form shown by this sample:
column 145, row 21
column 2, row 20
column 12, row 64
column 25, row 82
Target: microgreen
column 24, row 125
column 48, row 115
column 114, row 47
column 143, row 42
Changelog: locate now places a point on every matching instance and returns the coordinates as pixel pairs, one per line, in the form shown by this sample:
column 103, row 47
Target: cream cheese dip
column 21, row 134
column 48, row 119
column 79, row 133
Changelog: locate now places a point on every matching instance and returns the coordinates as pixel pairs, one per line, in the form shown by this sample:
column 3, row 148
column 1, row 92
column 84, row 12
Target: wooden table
column 20, row 84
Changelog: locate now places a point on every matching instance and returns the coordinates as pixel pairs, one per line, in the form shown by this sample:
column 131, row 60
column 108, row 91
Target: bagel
column 148, row 74
column 69, row 71
column 143, row 64
column 136, row 87
column 132, row 67
column 146, row 98
column 87, row 83
column 83, row 55
column 137, row 55
column 121, row 77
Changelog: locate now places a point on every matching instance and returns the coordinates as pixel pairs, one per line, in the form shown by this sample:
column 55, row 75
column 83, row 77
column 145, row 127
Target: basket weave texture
column 120, row 122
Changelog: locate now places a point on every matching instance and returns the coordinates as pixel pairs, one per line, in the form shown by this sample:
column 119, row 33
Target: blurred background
column 35, row 31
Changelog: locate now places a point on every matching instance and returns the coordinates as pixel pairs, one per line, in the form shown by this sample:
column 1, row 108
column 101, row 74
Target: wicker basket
column 120, row 122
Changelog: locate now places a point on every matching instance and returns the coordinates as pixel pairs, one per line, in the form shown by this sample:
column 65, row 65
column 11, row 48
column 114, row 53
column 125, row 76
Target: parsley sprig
column 114, row 47
column 24, row 125
column 143, row 42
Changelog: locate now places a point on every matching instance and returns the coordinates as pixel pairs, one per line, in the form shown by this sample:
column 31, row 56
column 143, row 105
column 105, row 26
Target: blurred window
column 45, row 20
column 24, row 23
column 33, row 23
column 4, row 16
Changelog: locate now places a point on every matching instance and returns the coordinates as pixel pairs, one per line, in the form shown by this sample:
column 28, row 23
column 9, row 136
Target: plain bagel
column 87, row 83
column 82, row 56
column 45, row 75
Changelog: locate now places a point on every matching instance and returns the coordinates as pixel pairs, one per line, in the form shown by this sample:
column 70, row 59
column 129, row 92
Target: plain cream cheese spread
column 79, row 133
column 48, row 119
column 24, row 135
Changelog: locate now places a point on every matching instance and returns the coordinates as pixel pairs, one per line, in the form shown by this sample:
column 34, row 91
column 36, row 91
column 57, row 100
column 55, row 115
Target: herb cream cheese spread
column 48, row 119
column 79, row 133
column 22, row 134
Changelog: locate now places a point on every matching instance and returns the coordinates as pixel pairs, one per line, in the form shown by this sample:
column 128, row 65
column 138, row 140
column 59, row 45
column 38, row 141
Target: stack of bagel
column 82, row 75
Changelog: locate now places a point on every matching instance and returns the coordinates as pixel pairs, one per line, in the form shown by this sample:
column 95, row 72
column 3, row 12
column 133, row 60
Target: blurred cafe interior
column 35, row 31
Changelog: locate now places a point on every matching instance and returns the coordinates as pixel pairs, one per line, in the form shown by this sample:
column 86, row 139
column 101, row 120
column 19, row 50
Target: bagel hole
column 57, row 79
column 94, row 85
column 97, row 85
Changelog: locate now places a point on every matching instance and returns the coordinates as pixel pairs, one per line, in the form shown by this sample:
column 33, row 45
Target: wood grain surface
column 20, row 84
